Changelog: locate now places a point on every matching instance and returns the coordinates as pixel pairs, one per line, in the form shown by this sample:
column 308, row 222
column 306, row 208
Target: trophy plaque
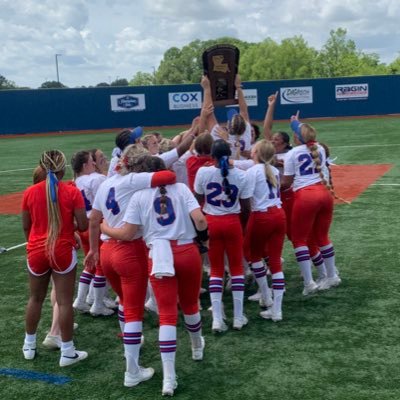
column 220, row 64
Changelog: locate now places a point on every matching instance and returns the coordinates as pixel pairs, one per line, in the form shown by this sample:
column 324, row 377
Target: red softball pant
column 183, row 287
column 125, row 267
column 226, row 236
column 287, row 198
column 311, row 215
column 265, row 232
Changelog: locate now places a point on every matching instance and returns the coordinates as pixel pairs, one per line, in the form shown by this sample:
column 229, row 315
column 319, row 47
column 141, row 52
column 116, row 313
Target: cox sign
column 128, row 102
column 297, row 95
column 184, row 100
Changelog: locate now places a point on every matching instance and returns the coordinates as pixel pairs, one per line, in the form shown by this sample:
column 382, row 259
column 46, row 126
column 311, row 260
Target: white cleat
column 198, row 352
column 255, row 297
column 51, row 342
column 169, row 386
column 151, row 306
column 219, row 326
column 144, row 374
column 69, row 360
column 81, row 306
column 329, row 283
column 265, row 303
column 89, row 300
column 268, row 314
column 110, row 303
column 311, row 288
column 240, row 322
column 101, row 311
column 29, row 350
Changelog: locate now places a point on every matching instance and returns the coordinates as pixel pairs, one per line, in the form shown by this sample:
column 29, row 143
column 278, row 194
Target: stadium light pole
column 58, row 76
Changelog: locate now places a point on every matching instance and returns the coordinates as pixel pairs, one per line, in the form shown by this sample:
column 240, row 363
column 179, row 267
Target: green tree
column 120, row 82
column 394, row 67
column 142, row 79
column 6, row 84
column 52, row 85
column 103, row 84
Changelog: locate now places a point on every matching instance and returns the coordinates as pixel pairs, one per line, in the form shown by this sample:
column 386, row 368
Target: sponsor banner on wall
column 127, row 102
column 184, row 100
column 296, row 95
column 250, row 95
column 354, row 91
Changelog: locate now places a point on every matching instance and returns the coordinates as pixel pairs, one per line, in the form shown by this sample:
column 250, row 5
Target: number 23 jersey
column 208, row 182
column 299, row 162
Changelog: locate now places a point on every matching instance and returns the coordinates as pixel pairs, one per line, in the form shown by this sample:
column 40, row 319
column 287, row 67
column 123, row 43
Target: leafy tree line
column 267, row 60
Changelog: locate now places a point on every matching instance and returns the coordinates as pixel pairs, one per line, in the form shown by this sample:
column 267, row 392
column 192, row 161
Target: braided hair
column 309, row 134
column 54, row 163
column 265, row 154
column 221, row 151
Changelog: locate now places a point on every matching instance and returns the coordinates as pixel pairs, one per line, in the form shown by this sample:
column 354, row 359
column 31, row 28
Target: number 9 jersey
column 299, row 162
column 208, row 182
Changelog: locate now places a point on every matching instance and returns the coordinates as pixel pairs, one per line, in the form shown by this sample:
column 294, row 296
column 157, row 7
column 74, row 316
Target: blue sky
column 101, row 40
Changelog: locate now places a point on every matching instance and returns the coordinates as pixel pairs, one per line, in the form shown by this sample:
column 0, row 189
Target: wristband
column 203, row 235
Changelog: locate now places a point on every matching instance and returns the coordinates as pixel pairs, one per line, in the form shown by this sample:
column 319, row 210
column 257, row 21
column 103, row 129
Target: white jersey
column 209, row 183
column 88, row 185
column 243, row 144
column 144, row 210
column 243, row 164
column 179, row 167
column 299, row 162
column 114, row 194
column 264, row 195
column 169, row 157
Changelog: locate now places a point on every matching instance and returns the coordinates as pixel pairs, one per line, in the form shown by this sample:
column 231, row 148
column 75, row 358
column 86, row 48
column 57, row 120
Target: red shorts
column 65, row 259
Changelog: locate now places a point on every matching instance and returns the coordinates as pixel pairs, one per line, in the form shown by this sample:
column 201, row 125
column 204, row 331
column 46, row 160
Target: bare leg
column 55, row 326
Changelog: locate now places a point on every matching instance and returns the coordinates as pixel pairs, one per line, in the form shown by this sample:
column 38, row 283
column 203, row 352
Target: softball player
column 313, row 204
column 125, row 262
column 266, row 227
column 176, row 264
column 88, row 181
column 225, row 193
column 49, row 210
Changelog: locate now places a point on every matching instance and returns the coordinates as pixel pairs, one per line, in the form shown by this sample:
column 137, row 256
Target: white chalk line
column 20, row 169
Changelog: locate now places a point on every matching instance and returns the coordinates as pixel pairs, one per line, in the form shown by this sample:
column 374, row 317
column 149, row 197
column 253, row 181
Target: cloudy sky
column 101, row 40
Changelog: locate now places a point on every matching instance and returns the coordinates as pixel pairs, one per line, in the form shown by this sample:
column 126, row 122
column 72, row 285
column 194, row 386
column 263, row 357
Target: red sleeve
column 163, row 178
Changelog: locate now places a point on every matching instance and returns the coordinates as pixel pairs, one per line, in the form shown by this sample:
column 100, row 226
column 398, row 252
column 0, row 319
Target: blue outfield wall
column 54, row 110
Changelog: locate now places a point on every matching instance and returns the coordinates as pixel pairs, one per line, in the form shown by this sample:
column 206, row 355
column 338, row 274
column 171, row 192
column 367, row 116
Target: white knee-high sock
column 319, row 264
column 193, row 326
column 83, row 287
column 260, row 274
column 237, row 294
column 99, row 290
column 328, row 253
column 132, row 337
column 167, row 343
column 278, row 286
column 215, row 287
column 303, row 260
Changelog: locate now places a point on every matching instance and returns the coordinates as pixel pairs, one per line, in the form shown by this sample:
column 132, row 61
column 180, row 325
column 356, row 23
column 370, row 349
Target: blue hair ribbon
column 296, row 128
column 224, row 165
column 53, row 182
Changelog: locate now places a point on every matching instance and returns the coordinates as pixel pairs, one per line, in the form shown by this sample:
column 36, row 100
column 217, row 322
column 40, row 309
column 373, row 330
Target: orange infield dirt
column 349, row 181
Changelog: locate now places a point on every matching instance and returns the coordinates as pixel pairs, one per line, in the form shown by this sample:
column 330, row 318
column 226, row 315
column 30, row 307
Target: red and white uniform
column 313, row 203
column 267, row 224
column 34, row 201
column 222, row 214
column 177, row 227
column 124, row 263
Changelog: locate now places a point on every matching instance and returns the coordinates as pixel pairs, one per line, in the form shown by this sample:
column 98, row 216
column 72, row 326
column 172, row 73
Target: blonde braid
column 265, row 154
column 52, row 161
column 309, row 135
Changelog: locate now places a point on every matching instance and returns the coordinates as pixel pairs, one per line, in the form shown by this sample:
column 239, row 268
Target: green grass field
column 337, row 345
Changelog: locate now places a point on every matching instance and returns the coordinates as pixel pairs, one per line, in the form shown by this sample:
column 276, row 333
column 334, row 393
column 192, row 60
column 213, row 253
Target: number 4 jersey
column 299, row 162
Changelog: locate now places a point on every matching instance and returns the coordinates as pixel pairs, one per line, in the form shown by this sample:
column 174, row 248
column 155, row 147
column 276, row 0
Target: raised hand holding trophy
column 220, row 64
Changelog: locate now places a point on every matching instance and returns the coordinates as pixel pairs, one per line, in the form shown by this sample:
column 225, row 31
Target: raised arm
column 244, row 111
column 269, row 116
column 211, row 121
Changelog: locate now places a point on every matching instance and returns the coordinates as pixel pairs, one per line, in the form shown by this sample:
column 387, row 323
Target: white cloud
column 102, row 39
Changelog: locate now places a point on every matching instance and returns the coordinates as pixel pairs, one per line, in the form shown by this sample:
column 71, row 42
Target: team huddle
column 215, row 197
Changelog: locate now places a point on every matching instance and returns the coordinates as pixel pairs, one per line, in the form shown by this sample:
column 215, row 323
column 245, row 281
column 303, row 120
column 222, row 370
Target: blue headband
column 224, row 165
column 53, row 183
column 296, row 128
